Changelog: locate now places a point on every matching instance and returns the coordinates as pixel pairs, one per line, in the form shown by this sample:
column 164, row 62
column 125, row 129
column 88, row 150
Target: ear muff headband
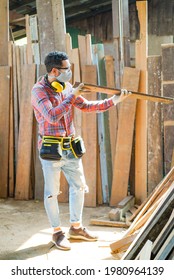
column 58, row 87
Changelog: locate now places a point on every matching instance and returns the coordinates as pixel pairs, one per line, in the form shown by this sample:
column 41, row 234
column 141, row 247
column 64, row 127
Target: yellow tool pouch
column 51, row 148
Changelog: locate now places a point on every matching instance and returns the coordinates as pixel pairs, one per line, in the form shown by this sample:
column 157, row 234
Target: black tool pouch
column 50, row 149
column 78, row 147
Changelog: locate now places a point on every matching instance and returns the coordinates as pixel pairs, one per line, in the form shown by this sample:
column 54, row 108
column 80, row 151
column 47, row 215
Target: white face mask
column 65, row 76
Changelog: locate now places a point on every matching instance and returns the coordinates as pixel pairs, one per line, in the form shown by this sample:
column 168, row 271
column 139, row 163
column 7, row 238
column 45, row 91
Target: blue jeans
column 73, row 171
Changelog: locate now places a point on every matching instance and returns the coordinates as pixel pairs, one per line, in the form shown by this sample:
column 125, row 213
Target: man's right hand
column 76, row 91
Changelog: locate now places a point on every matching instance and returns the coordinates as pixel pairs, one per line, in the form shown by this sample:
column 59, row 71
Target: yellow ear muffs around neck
column 57, row 86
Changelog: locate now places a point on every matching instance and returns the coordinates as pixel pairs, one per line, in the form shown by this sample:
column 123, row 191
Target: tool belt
column 52, row 147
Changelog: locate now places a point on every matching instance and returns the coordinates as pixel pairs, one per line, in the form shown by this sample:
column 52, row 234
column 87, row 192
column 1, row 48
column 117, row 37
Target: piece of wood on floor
column 123, row 243
column 103, row 221
column 125, row 205
column 114, row 214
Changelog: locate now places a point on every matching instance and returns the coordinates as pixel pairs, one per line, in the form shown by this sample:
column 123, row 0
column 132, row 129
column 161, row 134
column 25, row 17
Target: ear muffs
column 57, row 86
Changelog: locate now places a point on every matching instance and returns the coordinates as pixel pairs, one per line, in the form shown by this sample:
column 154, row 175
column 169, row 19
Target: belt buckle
column 66, row 143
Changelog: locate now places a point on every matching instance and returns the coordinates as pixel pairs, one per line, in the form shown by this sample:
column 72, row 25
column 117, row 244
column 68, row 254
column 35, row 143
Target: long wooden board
column 4, row 128
column 124, row 141
column 89, row 133
column 88, row 88
column 25, row 134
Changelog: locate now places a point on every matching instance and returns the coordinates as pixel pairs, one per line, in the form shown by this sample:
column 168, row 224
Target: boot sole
column 80, row 237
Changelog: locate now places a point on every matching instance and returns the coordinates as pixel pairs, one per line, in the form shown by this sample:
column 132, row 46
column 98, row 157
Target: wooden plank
column 103, row 127
column 102, row 222
column 145, row 253
column 155, row 145
column 113, row 112
column 163, row 234
column 116, row 41
column 25, row 135
column 123, row 148
column 141, row 113
column 89, row 124
column 126, row 32
column 4, row 31
column 123, row 243
column 155, row 221
column 87, row 88
column 166, row 248
column 11, row 127
column 39, row 179
column 82, row 50
column 165, row 183
column 89, row 58
column 29, row 44
column 4, row 128
column 16, row 104
column 168, row 111
column 143, row 219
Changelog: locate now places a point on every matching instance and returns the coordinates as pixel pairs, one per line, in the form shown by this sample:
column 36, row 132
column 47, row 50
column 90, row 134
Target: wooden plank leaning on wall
column 88, row 120
column 25, row 134
column 155, row 145
column 124, row 141
column 141, row 112
column 4, row 95
column 4, row 128
column 168, row 110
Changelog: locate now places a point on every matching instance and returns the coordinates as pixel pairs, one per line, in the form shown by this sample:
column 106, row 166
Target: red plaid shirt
column 54, row 111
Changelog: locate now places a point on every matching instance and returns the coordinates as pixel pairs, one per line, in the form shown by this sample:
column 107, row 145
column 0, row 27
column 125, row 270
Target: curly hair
column 54, row 60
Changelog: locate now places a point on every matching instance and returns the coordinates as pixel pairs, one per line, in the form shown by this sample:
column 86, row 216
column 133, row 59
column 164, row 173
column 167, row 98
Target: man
column 53, row 98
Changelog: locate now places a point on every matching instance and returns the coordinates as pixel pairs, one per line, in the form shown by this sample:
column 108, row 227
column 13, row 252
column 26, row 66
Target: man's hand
column 76, row 91
column 119, row 98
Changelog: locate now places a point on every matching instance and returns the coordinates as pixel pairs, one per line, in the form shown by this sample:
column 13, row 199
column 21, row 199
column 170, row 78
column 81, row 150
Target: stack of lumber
column 151, row 233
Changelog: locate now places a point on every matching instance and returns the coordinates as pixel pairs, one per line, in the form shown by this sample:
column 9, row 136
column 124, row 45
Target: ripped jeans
column 73, row 171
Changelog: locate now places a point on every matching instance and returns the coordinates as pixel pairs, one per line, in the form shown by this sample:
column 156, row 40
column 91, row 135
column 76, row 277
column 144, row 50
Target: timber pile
column 151, row 233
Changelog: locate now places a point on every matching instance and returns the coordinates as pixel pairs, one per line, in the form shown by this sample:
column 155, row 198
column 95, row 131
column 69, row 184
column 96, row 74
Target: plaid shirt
column 54, row 111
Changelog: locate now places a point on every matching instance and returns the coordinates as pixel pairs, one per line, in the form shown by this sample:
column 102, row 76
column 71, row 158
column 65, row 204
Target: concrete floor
column 26, row 235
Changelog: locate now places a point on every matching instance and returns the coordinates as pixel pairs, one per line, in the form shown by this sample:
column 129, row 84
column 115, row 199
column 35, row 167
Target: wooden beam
column 103, row 222
column 141, row 113
column 52, row 30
